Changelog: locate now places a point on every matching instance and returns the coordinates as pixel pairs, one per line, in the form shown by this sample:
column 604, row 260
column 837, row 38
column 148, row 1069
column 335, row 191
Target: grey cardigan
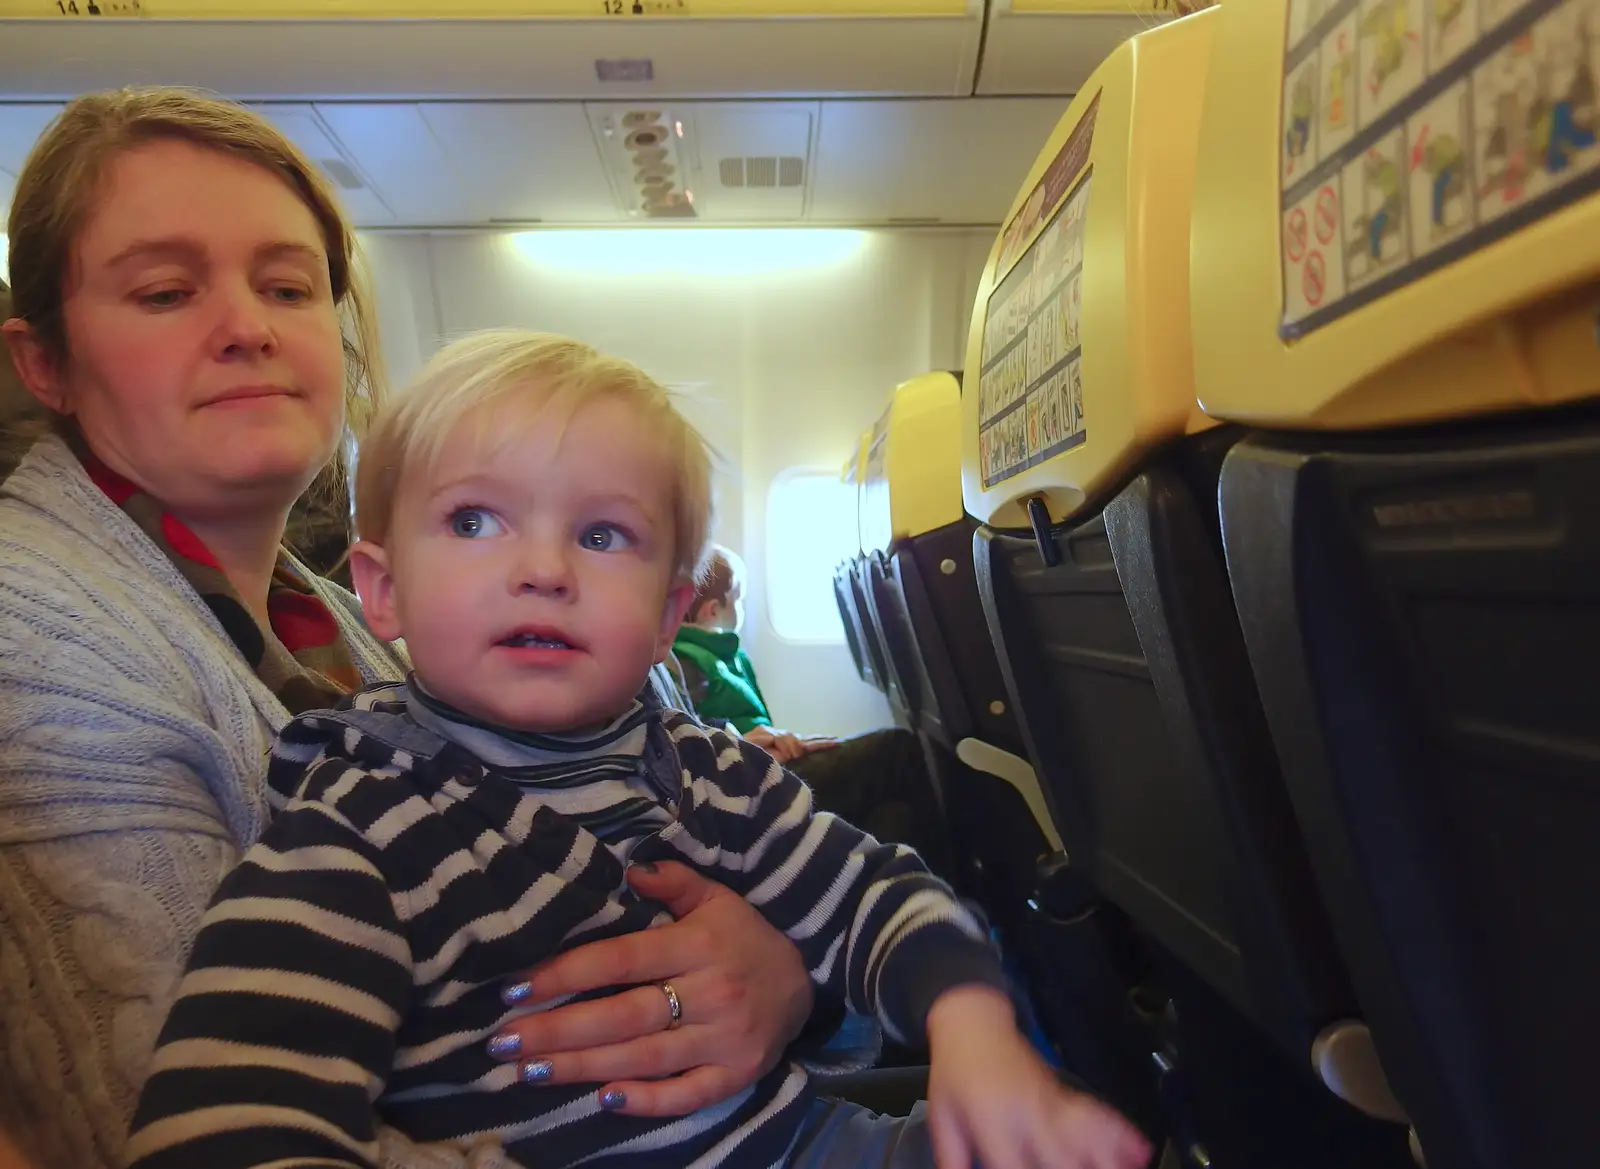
column 133, row 739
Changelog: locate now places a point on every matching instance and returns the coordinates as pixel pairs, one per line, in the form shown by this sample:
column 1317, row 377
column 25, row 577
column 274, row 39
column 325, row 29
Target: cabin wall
column 782, row 369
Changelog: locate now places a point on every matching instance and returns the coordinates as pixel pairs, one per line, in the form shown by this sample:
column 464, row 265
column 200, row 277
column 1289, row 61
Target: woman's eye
column 606, row 538
column 472, row 523
column 290, row 295
column 164, row 298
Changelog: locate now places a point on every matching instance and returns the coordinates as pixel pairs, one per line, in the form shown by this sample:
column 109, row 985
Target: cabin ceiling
column 449, row 123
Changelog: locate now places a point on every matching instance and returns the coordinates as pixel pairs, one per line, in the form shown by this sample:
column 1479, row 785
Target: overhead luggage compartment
column 530, row 49
column 1051, row 46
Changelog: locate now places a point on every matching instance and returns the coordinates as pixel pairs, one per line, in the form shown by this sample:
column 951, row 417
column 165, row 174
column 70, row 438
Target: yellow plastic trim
column 473, row 9
column 877, row 525
column 915, row 486
column 1136, row 358
column 1508, row 325
column 855, row 471
column 1110, row 7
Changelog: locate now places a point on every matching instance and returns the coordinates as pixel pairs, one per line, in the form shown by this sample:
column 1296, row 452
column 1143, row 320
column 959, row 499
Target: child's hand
column 993, row 1101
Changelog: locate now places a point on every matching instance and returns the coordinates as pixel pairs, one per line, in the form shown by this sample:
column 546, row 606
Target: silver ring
column 673, row 1005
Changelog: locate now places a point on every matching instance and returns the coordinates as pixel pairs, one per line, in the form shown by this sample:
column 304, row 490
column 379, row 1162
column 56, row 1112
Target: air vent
column 643, row 149
column 763, row 172
column 342, row 173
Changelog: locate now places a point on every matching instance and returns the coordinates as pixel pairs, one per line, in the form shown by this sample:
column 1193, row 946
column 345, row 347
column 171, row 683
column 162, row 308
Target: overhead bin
column 1051, row 46
column 553, row 49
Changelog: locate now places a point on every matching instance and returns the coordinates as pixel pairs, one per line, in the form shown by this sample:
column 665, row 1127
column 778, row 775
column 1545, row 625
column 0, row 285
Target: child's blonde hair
column 476, row 378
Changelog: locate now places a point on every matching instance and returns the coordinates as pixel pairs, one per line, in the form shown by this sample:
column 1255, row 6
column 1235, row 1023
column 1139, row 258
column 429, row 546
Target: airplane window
column 811, row 527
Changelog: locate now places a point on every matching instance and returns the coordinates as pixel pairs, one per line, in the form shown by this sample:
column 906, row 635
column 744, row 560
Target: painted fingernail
column 519, row 992
column 505, row 1045
column 648, row 868
column 536, row 1071
column 614, row 1099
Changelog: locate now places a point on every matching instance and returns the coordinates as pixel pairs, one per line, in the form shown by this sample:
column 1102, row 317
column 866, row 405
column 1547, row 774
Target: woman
column 179, row 275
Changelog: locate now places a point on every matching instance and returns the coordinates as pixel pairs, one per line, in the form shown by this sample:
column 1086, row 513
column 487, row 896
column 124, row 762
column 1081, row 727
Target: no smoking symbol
column 1316, row 279
column 1294, row 235
column 1327, row 221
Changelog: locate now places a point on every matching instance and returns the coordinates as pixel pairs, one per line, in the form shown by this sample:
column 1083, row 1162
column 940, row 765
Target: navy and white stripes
column 351, row 966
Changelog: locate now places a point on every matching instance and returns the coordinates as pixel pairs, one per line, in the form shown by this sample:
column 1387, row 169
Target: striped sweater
column 349, row 970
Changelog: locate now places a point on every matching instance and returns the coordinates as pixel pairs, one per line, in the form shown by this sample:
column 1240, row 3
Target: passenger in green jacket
column 878, row 781
column 708, row 648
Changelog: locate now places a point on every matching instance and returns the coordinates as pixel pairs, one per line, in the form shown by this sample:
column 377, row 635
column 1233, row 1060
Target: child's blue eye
column 605, row 538
column 471, row 523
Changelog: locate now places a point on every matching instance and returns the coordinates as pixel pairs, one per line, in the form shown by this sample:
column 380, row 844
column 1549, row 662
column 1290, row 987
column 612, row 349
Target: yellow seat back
column 1395, row 210
column 914, row 462
column 1079, row 360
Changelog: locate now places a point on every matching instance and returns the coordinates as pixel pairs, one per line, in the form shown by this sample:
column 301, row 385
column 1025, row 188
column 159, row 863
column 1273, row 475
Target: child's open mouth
column 536, row 639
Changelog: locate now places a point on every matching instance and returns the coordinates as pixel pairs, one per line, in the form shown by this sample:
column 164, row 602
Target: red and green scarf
column 302, row 658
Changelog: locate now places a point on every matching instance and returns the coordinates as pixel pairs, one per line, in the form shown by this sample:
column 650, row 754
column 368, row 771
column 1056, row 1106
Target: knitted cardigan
column 133, row 742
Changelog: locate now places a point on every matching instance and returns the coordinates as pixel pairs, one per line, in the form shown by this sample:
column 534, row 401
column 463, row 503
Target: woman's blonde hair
column 480, row 377
column 65, row 173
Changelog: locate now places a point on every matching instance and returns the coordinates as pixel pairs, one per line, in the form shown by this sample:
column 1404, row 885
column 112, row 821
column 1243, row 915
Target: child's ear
column 672, row 615
column 369, row 572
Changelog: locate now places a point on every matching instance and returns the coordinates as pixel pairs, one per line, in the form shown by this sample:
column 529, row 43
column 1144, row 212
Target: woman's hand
column 741, row 985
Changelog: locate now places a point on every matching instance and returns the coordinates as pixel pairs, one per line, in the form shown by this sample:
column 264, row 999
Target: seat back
column 911, row 681
column 889, row 638
column 871, row 638
column 927, row 578
column 1409, row 537
column 1421, row 612
column 1113, row 615
column 848, row 619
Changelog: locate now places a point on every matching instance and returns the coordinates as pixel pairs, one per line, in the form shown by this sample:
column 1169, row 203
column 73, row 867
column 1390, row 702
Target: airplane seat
column 908, row 682
column 935, row 710
column 1412, row 544
column 1093, row 473
column 871, row 635
column 847, row 619
column 934, row 573
column 989, row 796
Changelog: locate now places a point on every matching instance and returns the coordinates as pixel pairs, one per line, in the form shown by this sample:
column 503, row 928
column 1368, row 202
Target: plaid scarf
column 302, row 658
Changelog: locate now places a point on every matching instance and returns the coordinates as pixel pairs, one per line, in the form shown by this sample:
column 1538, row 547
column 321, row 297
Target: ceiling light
column 688, row 251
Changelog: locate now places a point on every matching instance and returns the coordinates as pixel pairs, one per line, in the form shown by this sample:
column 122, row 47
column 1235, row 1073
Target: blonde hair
column 65, row 173
column 477, row 376
column 723, row 572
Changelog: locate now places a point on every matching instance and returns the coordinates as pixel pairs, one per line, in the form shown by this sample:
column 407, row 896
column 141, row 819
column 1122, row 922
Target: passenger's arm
column 872, row 923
